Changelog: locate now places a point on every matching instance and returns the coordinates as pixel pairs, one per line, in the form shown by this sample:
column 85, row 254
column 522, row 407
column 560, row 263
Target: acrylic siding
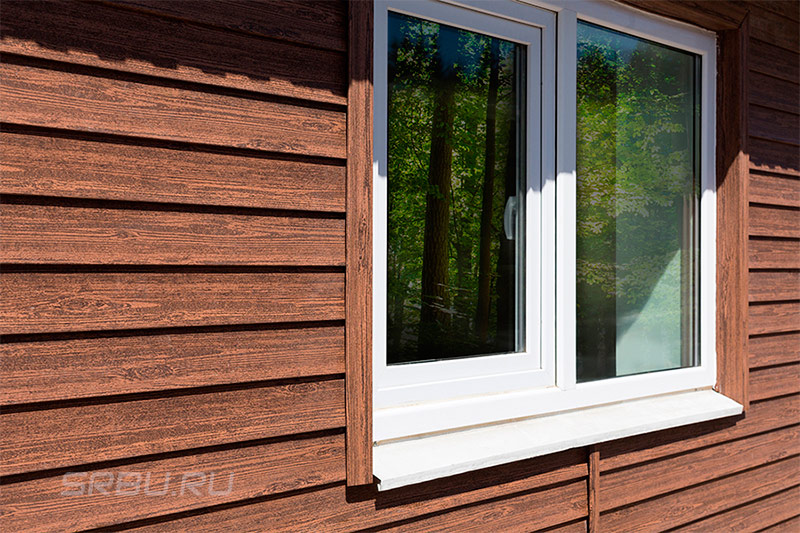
column 173, row 179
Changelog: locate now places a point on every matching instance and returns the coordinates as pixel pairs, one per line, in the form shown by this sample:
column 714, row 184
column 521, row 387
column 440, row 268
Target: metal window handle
column 510, row 217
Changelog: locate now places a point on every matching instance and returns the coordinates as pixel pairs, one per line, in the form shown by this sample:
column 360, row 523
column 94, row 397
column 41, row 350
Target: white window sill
column 406, row 462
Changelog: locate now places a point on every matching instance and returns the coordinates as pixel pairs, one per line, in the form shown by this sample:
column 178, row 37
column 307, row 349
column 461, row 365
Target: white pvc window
column 651, row 303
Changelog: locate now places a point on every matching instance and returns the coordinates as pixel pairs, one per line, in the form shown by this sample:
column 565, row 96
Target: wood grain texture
column 776, row 29
column 774, row 253
column 363, row 507
column 311, row 22
column 326, row 510
column 761, row 417
column 774, row 318
column 774, row 125
column 774, row 61
column 86, row 433
column 774, row 350
column 80, row 368
column 52, row 234
column 642, row 482
column 753, row 516
column 774, row 221
column 67, row 100
column 358, row 289
column 107, row 37
column 771, row 156
column 776, row 93
column 775, row 381
column 768, row 286
column 718, row 15
column 38, row 302
column 786, row 8
column 774, row 190
column 251, row 471
column 688, row 505
column 74, row 168
column 792, row 525
column 732, row 213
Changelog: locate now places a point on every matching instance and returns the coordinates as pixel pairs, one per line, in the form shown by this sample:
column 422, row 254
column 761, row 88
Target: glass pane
column 455, row 220
column 637, row 170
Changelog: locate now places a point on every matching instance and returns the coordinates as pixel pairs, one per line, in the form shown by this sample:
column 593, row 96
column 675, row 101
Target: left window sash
column 432, row 373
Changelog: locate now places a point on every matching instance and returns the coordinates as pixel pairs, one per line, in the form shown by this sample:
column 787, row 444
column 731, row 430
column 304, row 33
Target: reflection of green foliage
column 636, row 177
column 413, row 49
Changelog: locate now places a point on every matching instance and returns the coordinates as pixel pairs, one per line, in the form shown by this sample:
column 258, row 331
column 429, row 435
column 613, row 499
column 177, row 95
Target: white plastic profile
column 411, row 461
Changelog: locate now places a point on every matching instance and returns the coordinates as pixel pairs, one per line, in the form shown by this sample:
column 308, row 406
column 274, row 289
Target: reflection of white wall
column 651, row 339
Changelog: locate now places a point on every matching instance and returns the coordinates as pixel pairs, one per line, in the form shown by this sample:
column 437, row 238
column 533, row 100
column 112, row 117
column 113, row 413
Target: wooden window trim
column 358, row 237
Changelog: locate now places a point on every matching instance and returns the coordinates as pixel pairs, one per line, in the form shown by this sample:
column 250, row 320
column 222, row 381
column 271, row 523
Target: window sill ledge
column 406, row 462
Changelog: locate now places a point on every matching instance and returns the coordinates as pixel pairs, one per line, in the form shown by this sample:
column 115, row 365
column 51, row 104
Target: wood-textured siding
column 174, row 281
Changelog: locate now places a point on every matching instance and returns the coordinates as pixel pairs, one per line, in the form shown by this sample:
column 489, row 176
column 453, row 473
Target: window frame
column 392, row 420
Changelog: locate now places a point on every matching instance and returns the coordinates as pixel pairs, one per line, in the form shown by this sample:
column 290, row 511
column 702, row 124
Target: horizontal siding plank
column 768, row 286
column 774, row 381
column 774, row 189
column 771, row 156
column 520, row 513
column 73, row 168
column 39, row 505
column 766, row 221
column 761, row 416
column 791, row 525
column 40, row 302
column 774, row 350
column 71, row 436
column 69, row 235
column 773, row 253
column 786, row 8
column 750, row 517
column 146, row 44
column 81, row 368
column 328, row 510
column 774, row 318
column 642, row 482
column 774, row 61
column 688, row 505
column 776, row 93
column 66, row 100
column 774, row 28
column 774, row 125
column 332, row 510
column 312, row 22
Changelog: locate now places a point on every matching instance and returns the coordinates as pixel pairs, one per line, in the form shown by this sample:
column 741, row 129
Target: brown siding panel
column 79, row 368
column 774, row 381
column 250, row 471
column 90, row 432
column 773, row 60
column 774, row 350
column 51, row 234
column 771, row 124
column 768, row 221
column 123, row 40
column 39, row 302
column 774, row 318
column 75, row 168
column 50, row 98
column 771, row 156
column 773, row 286
column 694, row 503
column 774, row 189
column 774, row 253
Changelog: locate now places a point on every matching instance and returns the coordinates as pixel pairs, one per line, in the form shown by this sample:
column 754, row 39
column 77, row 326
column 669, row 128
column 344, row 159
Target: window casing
column 430, row 397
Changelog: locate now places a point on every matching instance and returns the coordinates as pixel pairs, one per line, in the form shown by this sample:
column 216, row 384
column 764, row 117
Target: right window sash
column 637, row 198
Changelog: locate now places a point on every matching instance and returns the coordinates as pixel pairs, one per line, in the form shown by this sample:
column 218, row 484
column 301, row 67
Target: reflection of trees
column 635, row 170
column 443, row 237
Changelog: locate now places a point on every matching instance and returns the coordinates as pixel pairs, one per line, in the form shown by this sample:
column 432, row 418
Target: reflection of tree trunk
column 437, row 210
column 484, row 258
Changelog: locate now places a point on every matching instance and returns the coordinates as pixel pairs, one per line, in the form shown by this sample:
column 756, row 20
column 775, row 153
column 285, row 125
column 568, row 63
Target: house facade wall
column 173, row 288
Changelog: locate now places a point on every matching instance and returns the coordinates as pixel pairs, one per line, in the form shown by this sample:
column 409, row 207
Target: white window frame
column 418, row 403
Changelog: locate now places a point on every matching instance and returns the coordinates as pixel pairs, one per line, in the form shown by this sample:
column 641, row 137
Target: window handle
column 510, row 217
